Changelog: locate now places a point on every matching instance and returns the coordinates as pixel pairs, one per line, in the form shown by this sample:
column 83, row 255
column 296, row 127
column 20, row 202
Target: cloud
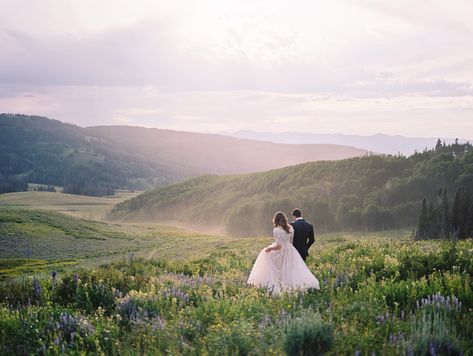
column 327, row 66
column 250, row 54
column 218, row 111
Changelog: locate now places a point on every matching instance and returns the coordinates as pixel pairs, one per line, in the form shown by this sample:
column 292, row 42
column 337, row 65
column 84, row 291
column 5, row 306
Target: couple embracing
column 280, row 266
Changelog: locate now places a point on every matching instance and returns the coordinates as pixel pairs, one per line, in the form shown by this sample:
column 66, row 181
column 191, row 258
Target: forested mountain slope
column 98, row 160
column 40, row 150
column 371, row 192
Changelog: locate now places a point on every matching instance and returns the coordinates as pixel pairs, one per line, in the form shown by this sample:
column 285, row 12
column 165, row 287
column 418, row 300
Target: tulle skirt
column 282, row 270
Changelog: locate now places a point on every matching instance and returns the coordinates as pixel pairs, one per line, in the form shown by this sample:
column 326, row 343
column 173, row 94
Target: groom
column 303, row 234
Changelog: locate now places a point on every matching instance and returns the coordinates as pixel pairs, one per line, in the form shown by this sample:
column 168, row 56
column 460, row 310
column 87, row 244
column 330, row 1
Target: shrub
column 95, row 294
column 308, row 335
column 236, row 338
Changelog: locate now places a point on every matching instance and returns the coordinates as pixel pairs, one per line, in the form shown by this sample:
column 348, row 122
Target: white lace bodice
column 282, row 237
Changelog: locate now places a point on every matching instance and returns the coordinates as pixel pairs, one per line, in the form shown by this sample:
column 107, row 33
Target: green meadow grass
column 92, row 208
column 127, row 288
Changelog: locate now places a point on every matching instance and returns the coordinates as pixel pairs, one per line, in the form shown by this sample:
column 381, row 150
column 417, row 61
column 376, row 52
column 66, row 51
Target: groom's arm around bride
column 303, row 234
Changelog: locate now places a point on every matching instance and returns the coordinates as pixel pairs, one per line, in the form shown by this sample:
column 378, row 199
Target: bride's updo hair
column 281, row 221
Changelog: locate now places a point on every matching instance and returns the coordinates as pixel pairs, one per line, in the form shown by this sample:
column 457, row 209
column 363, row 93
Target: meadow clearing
column 75, row 285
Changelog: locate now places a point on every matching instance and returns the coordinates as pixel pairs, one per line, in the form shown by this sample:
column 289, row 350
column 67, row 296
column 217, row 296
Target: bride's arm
column 275, row 245
column 273, row 248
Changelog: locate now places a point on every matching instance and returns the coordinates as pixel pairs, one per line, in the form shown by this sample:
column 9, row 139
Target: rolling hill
column 98, row 160
column 200, row 153
column 363, row 193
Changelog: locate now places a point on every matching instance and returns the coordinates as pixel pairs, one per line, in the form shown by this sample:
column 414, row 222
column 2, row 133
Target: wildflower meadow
column 378, row 297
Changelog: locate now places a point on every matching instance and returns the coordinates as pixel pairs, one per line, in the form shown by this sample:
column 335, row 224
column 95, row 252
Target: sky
column 334, row 66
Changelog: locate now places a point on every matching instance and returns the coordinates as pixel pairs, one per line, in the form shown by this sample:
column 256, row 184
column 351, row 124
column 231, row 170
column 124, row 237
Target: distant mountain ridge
column 200, row 153
column 97, row 160
column 381, row 143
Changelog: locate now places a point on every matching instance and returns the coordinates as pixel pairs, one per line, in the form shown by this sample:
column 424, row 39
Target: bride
column 279, row 266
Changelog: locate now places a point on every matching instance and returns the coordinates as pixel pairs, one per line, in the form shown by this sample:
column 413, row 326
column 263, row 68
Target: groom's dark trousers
column 303, row 236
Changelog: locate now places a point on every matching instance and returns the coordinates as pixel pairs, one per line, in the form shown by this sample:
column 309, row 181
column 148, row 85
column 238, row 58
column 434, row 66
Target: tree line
column 445, row 220
column 370, row 193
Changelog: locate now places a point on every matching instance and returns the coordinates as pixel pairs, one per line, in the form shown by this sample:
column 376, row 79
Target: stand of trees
column 10, row 184
column 443, row 220
column 374, row 192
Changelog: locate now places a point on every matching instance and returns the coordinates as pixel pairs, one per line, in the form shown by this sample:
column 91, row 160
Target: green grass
column 43, row 234
column 150, row 289
column 82, row 206
column 372, row 299
column 16, row 267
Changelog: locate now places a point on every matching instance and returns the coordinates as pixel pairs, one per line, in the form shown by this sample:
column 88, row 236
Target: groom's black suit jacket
column 303, row 237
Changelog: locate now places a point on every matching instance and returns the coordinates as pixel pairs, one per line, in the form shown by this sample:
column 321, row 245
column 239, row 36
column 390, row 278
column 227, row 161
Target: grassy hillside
column 388, row 296
column 73, row 286
column 365, row 193
column 37, row 240
column 98, row 160
column 82, row 206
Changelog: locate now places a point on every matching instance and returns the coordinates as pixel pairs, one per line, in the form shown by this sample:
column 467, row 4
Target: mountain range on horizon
column 379, row 143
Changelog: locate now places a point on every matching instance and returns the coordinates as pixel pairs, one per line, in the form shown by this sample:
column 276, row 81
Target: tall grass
column 374, row 298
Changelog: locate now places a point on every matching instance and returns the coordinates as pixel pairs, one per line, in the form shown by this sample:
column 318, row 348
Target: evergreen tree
column 456, row 213
column 423, row 222
column 466, row 208
column 462, row 220
column 445, row 216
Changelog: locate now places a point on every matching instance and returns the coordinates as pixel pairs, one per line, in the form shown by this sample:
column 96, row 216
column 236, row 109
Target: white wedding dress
column 283, row 269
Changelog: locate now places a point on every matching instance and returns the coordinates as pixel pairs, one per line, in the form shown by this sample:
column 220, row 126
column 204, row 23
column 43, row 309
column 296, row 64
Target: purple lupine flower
column 340, row 280
column 157, row 323
column 380, row 320
column 53, row 275
column 410, row 351
column 439, row 301
column 432, row 349
column 36, row 287
column 357, row 353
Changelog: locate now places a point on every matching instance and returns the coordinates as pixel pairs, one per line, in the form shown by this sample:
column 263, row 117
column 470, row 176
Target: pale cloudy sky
column 349, row 66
